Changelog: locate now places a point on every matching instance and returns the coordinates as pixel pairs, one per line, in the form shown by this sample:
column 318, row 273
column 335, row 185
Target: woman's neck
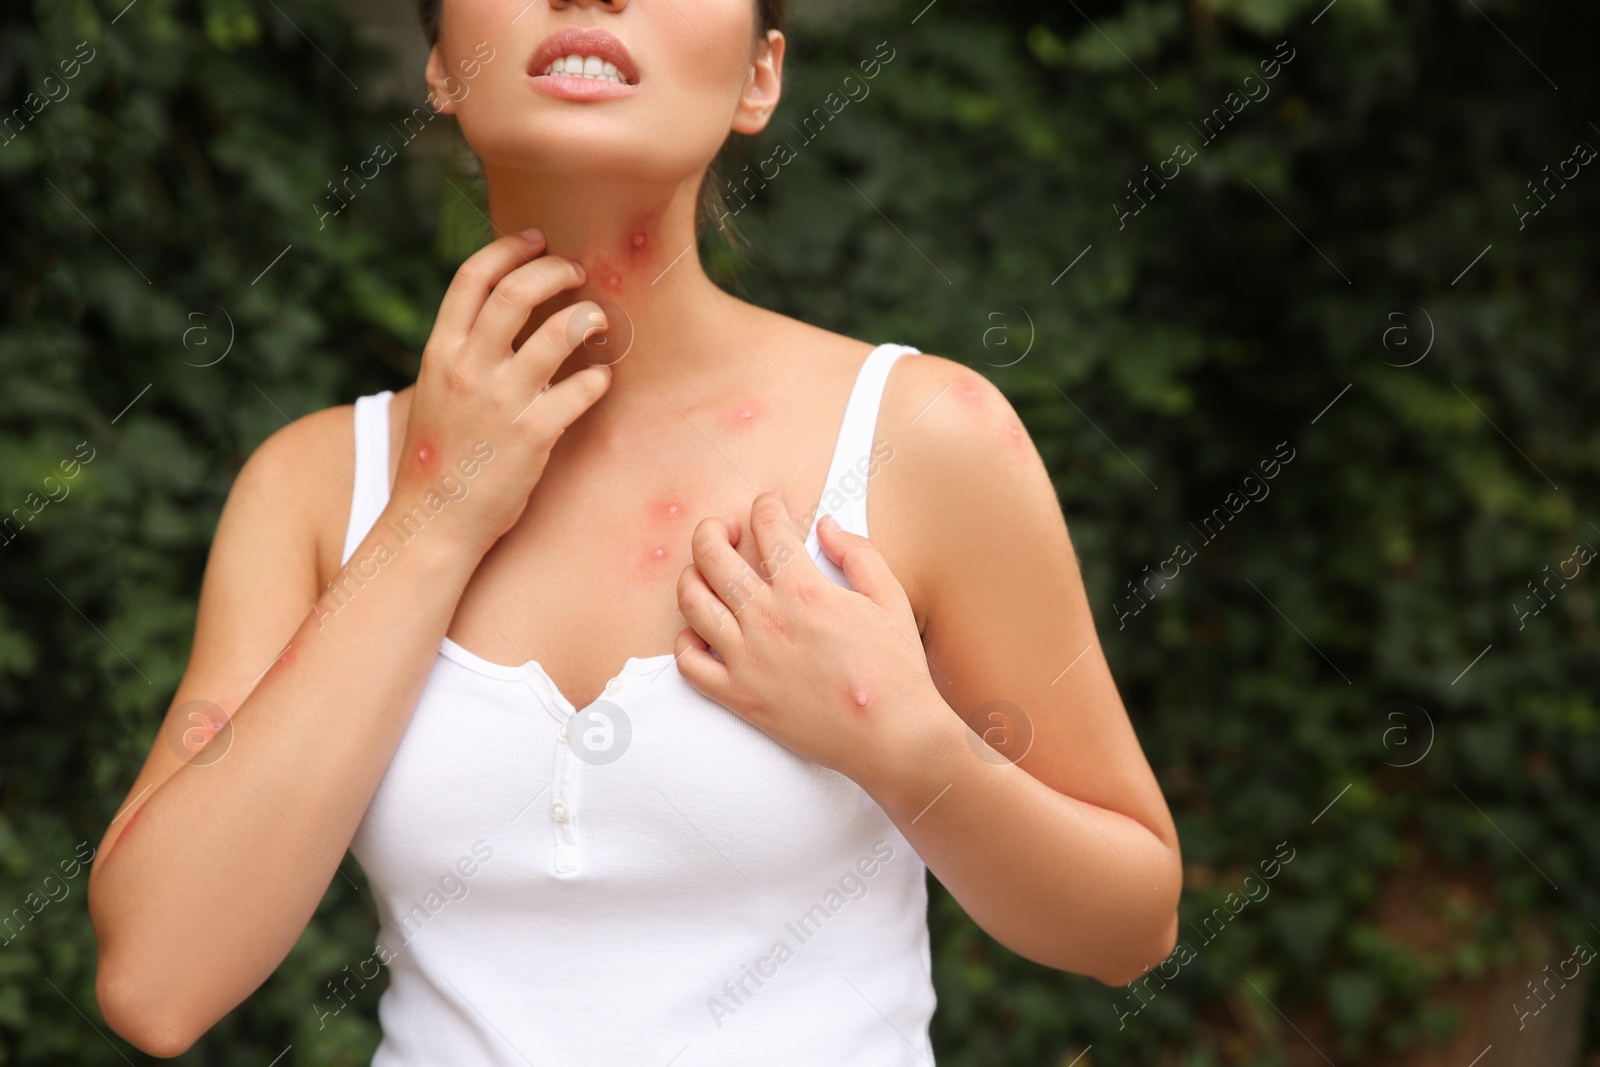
column 637, row 244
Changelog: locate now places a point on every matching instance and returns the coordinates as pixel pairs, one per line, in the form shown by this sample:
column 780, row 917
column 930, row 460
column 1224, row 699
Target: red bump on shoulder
column 1016, row 436
column 969, row 389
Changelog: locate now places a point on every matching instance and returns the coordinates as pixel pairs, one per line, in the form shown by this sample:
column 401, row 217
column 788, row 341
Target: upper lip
column 584, row 41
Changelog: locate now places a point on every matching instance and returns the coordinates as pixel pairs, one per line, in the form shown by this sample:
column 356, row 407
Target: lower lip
column 570, row 88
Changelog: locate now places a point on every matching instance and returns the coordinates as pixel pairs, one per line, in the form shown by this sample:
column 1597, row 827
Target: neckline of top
column 533, row 673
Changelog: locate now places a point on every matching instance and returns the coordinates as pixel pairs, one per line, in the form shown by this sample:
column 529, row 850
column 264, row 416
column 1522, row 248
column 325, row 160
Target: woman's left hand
column 836, row 675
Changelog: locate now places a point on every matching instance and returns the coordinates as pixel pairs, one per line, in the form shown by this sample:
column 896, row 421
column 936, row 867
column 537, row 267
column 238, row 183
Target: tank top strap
column 855, row 459
column 371, row 492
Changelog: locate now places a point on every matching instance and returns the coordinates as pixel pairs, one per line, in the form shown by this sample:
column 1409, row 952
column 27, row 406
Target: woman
column 415, row 610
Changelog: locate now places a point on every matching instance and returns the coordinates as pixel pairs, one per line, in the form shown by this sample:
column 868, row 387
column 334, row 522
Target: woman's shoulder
column 951, row 413
column 959, row 468
column 300, row 482
column 952, row 418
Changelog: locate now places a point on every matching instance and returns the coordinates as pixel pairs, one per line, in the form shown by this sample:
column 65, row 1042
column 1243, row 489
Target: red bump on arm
column 127, row 827
column 276, row 668
column 424, row 458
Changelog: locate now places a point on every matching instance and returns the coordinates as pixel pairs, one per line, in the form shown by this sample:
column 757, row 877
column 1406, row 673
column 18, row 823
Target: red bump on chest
column 664, row 537
column 654, row 561
column 668, row 509
column 742, row 415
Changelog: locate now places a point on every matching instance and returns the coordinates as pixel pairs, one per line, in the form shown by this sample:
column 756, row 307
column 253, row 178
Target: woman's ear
column 439, row 79
column 764, row 88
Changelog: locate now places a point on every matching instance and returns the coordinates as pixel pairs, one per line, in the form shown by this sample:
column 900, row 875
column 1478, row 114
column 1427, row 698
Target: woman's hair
column 770, row 15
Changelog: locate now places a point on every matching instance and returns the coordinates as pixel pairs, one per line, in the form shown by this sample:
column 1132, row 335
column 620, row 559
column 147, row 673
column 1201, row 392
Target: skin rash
column 667, row 524
column 636, row 254
column 427, row 455
column 744, row 415
column 974, row 394
column 279, row 666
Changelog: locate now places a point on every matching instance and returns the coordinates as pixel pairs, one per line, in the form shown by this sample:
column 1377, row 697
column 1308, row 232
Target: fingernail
column 532, row 233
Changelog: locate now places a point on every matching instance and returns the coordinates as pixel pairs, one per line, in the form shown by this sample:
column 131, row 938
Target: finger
column 513, row 299
column 555, row 339
column 725, row 571
column 775, row 537
column 706, row 614
column 475, row 278
column 864, row 566
column 552, row 410
column 701, row 669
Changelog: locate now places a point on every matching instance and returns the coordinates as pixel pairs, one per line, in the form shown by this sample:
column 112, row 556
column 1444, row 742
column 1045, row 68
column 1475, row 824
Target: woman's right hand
column 484, row 417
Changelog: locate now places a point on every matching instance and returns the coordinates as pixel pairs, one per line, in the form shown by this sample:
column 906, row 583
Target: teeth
column 576, row 66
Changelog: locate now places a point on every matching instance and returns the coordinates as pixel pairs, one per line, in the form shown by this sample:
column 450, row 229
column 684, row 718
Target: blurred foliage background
column 1350, row 265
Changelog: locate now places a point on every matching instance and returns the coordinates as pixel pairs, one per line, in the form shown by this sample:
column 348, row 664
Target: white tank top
column 646, row 881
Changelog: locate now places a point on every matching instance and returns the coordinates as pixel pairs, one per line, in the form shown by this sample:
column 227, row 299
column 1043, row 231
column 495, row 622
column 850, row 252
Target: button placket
column 563, row 808
column 562, row 812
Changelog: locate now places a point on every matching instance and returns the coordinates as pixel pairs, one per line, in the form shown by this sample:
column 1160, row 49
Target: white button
column 611, row 686
column 558, row 812
column 564, row 733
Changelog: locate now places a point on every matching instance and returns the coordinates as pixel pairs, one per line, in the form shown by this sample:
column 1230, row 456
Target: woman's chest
column 591, row 573
column 652, row 786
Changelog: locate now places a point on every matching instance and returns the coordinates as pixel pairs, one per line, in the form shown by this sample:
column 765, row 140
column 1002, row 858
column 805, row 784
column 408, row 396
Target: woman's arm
column 216, row 862
column 1058, row 842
